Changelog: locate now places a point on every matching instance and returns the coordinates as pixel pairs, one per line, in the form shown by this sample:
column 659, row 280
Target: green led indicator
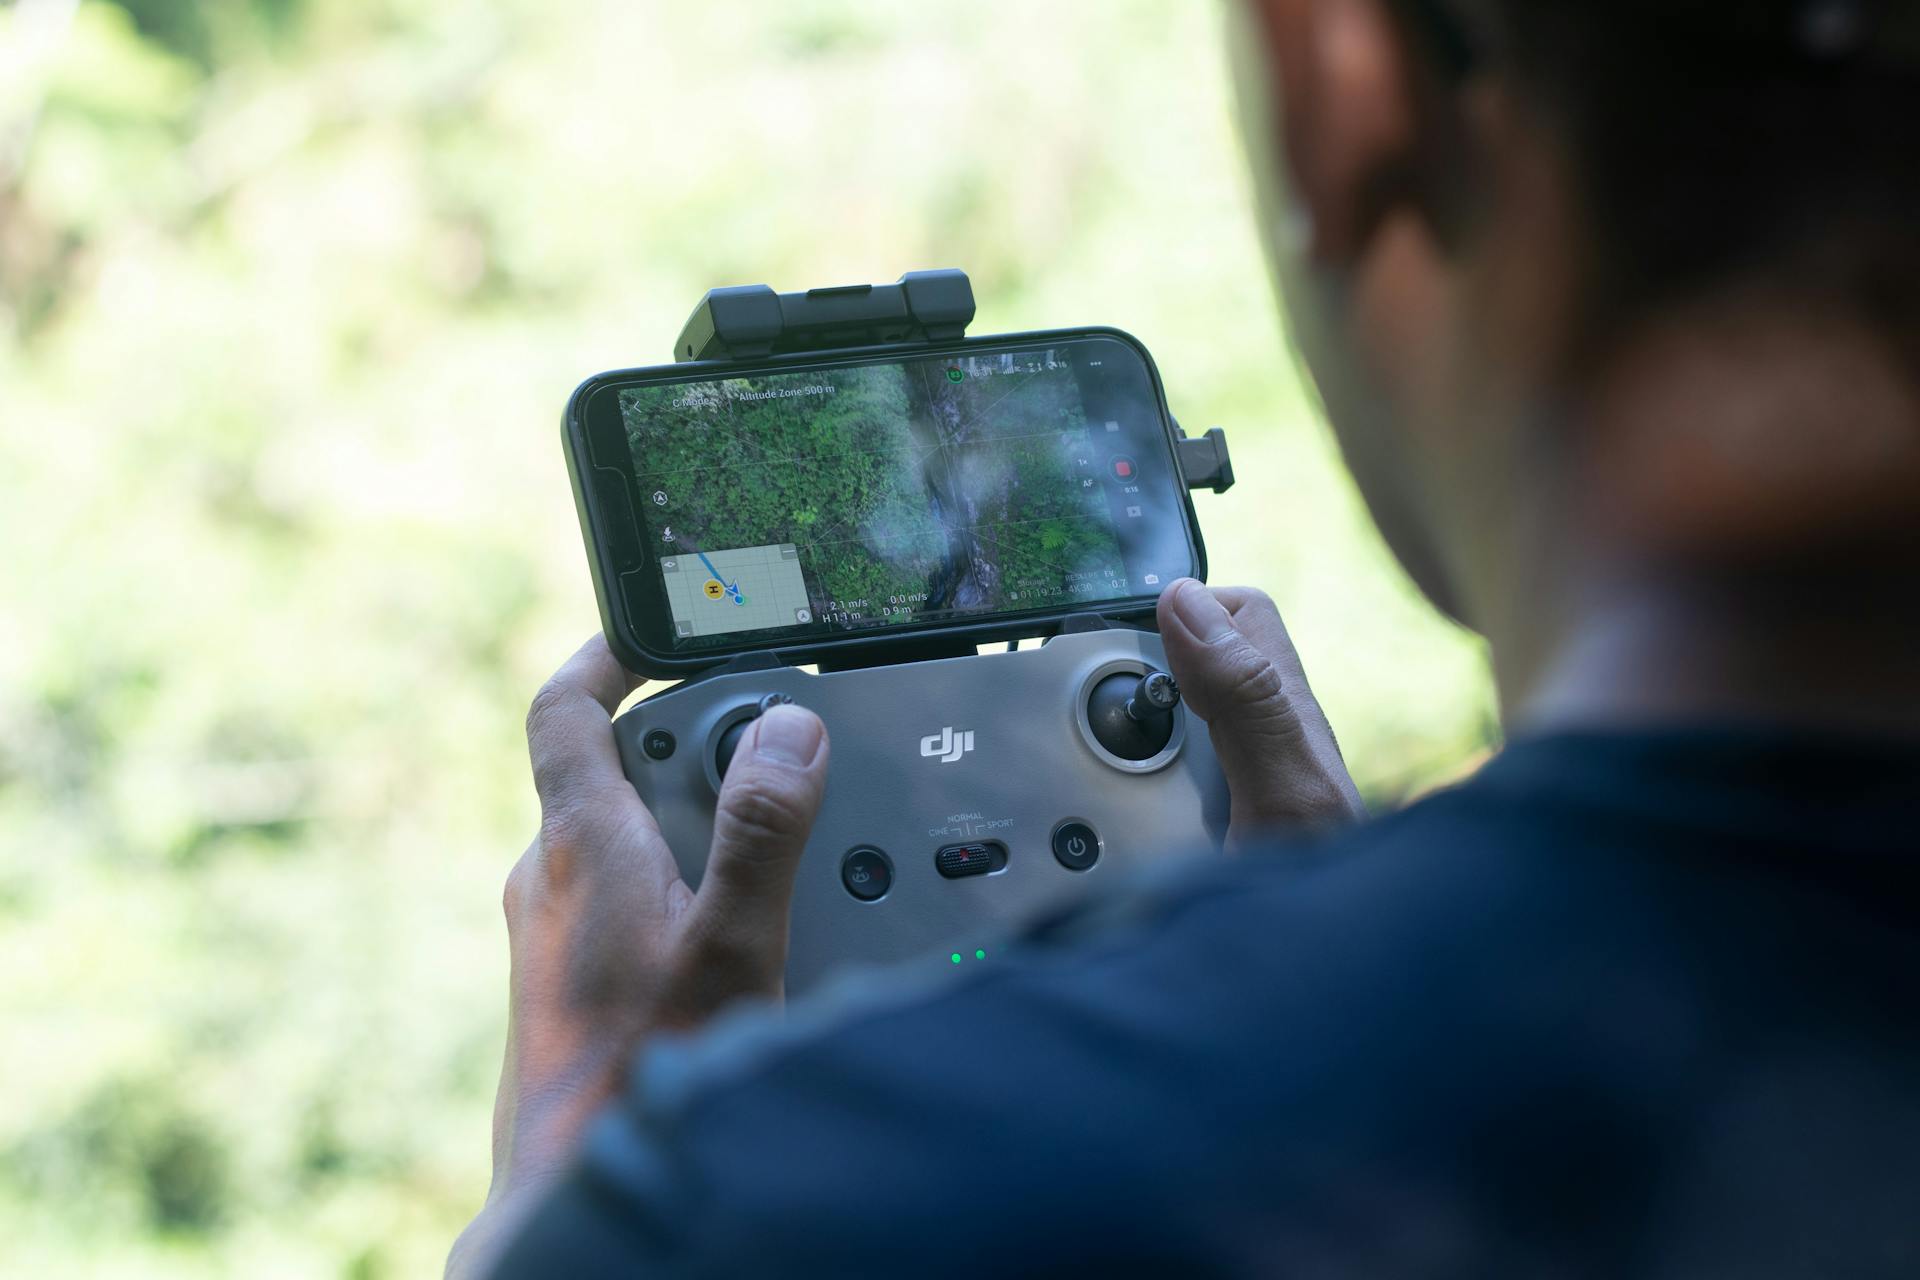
column 979, row 955
column 956, row 957
column 956, row 375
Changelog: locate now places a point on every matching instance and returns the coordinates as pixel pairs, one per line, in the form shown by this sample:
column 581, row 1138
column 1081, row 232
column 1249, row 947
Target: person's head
column 1601, row 283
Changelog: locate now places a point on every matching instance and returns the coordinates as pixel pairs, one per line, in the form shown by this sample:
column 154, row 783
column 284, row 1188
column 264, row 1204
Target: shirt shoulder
column 1359, row 1051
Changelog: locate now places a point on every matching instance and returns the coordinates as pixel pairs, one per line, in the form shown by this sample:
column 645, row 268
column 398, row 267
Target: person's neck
column 1821, row 650
column 1729, row 538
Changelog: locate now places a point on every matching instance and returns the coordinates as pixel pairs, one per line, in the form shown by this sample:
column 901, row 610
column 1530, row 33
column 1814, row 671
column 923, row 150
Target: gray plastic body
column 993, row 747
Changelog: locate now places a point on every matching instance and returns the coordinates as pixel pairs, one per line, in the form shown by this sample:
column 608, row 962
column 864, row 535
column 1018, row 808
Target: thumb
column 771, row 795
column 1239, row 672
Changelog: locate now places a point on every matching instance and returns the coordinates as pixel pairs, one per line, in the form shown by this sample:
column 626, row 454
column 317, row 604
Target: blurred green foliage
column 290, row 298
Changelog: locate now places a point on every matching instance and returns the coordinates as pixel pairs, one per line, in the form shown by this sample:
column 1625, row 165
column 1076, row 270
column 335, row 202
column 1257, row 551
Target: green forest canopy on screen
column 914, row 489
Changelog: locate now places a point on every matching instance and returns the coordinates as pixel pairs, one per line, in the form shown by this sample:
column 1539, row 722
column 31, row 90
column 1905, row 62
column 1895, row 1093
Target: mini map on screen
column 749, row 589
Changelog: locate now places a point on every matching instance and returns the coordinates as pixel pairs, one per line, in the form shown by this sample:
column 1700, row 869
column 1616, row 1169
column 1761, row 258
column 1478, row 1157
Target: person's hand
column 1238, row 671
column 607, row 942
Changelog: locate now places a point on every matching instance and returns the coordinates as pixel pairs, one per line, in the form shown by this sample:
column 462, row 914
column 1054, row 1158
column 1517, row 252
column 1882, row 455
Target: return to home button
column 1076, row 845
column 867, row 873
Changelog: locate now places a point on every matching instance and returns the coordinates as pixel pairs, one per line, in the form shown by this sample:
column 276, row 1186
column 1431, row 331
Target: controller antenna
column 1155, row 696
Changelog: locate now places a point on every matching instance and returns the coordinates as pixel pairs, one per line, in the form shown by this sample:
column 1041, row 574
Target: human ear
column 1342, row 86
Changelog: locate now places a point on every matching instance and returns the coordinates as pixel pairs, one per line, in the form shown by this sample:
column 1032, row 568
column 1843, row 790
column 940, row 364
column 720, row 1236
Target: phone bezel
column 604, row 530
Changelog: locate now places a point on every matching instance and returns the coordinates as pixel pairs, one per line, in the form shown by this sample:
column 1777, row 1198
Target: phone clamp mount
column 968, row 790
column 751, row 322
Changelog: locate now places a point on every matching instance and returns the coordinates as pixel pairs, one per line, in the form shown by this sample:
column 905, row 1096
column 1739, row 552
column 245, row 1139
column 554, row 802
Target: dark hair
column 1722, row 139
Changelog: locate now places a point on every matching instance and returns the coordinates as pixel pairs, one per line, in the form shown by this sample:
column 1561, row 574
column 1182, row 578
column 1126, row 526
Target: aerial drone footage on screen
column 885, row 493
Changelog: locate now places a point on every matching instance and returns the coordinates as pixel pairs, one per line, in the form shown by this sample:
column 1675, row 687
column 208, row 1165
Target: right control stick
column 1132, row 715
column 1153, row 698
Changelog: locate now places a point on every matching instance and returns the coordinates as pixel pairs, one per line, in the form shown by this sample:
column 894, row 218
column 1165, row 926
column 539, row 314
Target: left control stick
column 730, row 740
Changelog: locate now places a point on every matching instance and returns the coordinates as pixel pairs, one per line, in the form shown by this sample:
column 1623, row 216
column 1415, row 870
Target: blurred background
column 291, row 296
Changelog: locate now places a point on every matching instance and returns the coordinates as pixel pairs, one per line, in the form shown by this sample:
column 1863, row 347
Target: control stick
column 1132, row 716
column 730, row 740
column 1153, row 698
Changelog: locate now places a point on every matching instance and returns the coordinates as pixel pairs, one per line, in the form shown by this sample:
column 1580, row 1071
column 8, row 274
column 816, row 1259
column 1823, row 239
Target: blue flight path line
column 733, row 588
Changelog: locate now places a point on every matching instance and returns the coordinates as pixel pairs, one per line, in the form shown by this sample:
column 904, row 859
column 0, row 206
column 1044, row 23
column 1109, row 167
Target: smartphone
column 827, row 504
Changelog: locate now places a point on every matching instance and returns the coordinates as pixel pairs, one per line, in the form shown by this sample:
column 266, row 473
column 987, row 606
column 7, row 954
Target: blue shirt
column 1622, row 1004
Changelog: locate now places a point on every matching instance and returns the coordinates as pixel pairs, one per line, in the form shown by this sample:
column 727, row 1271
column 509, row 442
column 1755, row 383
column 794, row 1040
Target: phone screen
column 893, row 493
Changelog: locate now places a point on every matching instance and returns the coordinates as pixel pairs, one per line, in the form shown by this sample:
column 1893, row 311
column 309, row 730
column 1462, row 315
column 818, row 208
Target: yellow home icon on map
column 714, row 590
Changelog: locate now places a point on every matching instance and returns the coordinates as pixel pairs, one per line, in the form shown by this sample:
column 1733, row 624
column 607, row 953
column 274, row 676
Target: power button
column 1076, row 846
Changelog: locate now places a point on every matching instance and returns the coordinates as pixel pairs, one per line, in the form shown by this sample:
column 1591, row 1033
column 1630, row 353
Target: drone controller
column 968, row 790
column 965, row 794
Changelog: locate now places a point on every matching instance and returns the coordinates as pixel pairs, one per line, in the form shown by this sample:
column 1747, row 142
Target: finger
column 569, row 730
column 1239, row 672
column 1256, row 617
column 1222, row 661
column 767, row 807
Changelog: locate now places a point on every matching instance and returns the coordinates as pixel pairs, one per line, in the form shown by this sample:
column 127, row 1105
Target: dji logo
column 947, row 745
